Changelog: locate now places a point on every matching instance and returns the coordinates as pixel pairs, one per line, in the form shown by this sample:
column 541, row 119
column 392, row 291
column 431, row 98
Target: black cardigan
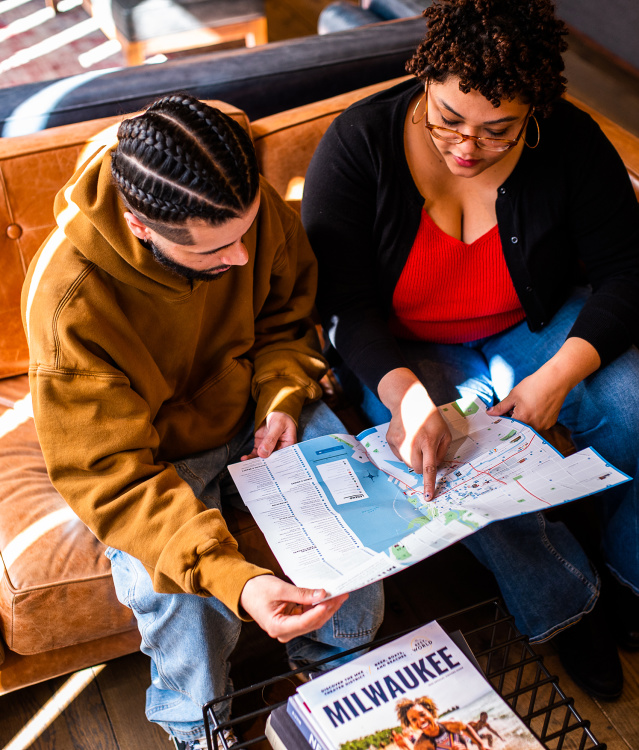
column 566, row 214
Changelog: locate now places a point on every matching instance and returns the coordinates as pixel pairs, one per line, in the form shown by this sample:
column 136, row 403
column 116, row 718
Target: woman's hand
column 417, row 434
column 537, row 399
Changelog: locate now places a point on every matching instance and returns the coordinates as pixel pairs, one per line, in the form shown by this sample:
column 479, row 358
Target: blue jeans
column 544, row 575
column 190, row 638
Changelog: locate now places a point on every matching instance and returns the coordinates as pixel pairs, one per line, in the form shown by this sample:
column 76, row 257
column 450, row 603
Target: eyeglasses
column 453, row 136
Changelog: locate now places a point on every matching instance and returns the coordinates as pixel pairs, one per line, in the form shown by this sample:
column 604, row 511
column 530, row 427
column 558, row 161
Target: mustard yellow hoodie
column 132, row 367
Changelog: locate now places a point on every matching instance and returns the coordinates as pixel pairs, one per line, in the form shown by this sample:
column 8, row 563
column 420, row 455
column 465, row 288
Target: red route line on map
column 516, row 480
column 487, row 471
column 532, row 493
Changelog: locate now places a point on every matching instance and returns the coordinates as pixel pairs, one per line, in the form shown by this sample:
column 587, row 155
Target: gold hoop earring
column 538, row 134
column 412, row 119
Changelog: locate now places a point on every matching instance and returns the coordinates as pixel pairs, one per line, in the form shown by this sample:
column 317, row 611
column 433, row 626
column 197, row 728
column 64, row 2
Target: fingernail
column 317, row 594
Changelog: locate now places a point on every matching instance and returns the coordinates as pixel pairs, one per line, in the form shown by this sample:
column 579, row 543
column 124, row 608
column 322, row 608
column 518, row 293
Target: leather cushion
column 56, row 588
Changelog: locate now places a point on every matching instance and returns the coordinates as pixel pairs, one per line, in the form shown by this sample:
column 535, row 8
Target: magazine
column 418, row 692
column 340, row 512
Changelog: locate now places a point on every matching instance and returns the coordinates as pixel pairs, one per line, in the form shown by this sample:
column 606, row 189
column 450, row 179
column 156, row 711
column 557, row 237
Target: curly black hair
column 501, row 48
column 404, row 705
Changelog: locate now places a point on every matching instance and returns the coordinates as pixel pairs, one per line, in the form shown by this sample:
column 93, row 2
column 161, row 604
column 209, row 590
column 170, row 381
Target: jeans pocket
column 359, row 618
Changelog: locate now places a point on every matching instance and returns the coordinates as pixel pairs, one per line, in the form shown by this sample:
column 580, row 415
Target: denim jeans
column 190, row 638
column 544, row 575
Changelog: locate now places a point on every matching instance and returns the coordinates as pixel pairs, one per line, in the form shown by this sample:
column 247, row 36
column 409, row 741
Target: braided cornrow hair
column 500, row 48
column 182, row 159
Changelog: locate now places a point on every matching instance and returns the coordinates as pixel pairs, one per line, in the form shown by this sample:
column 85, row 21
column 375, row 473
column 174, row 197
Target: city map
column 340, row 511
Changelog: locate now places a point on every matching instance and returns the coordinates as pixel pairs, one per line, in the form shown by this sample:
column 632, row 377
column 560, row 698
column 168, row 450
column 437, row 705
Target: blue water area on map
column 382, row 519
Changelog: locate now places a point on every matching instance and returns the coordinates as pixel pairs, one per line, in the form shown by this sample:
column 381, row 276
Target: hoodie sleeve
column 99, row 443
column 286, row 353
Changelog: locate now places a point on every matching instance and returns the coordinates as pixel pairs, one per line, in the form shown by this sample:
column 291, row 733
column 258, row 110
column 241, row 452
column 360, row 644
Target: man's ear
column 139, row 229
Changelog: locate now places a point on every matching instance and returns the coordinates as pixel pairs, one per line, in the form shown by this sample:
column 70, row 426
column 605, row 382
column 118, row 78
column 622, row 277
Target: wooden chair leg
column 257, row 33
column 134, row 52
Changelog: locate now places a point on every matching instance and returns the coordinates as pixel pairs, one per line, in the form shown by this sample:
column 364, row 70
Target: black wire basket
column 504, row 656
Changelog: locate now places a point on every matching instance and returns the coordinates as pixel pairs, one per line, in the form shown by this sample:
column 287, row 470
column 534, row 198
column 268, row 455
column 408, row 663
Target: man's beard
column 184, row 271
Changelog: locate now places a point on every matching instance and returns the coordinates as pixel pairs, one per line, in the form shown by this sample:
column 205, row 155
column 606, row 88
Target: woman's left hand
column 536, row 401
column 538, row 398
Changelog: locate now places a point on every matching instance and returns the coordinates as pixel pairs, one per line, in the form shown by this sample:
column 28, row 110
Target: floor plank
column 88, row 722
column 82, row 723
column 610, row 732
column 625, row 715
column 122, row 684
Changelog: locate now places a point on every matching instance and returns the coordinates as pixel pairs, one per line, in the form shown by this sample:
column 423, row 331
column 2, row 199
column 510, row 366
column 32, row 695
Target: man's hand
column 278, row 431
column 285, row 611
column 417, row 433
column 537, row 399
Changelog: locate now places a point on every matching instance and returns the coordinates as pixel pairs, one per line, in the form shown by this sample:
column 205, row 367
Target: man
column 169, row 332
column 484, row 730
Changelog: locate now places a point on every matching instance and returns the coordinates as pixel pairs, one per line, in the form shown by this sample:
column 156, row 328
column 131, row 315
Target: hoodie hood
column 90, row 212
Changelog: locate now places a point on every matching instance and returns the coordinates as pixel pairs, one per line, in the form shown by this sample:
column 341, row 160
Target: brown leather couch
column 58, row 610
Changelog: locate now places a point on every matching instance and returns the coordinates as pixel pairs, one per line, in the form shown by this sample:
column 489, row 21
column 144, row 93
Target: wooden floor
column 103, row 707
column 108, row 710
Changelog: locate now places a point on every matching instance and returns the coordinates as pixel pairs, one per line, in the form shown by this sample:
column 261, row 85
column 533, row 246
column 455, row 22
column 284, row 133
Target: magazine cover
column 419, row 692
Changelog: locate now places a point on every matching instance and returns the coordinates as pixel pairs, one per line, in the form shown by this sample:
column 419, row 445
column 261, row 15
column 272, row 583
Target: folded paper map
column 340, row 512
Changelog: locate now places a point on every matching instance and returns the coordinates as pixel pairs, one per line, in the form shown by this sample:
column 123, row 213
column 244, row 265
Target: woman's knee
column 603, row 410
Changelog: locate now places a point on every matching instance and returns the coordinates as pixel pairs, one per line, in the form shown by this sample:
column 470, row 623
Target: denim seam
column 570, row 621
column 541, row 522
column 337, row 633
column 186, row 469
column 623, row 581
column 358, row 634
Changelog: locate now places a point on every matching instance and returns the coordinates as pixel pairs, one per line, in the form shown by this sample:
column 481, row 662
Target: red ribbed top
column 450, row 291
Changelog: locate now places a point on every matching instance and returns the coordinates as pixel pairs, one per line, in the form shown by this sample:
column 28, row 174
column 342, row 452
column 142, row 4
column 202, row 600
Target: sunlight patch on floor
column 100, row 53
column 27, row 23
column 65, row 5
column 51, row 44
column 53, row 708
column 19, row 412
column 7, row 5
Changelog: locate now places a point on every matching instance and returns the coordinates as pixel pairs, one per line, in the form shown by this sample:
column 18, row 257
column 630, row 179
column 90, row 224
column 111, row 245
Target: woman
column 477, row 234
column 422, row 729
